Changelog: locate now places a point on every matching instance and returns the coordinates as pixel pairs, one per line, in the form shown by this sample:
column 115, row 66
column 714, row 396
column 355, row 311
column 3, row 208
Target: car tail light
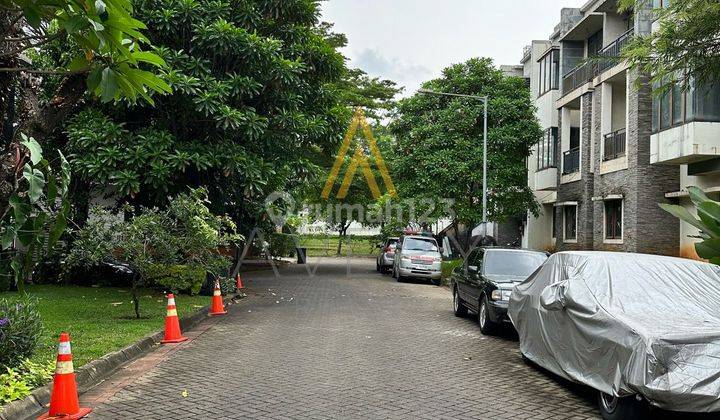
column 388, row 249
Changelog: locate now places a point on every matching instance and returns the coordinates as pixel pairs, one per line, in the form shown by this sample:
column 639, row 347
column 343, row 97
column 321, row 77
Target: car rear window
column 420, row 244
column 513, row 263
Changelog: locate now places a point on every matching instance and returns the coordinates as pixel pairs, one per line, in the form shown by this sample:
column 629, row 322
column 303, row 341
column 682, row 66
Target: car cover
column 626, row 324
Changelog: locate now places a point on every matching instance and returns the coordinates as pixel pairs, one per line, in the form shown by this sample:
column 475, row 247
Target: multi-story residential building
column 597, row 146
column 686, row 134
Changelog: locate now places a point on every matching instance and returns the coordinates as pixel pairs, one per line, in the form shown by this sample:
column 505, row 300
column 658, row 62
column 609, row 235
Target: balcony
column 578, row 76
column 614, row 145
column 571, row 161
column 546, row 179
column 609, row 56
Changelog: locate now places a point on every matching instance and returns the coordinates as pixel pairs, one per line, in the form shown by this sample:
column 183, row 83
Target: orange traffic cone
column 64, row 398
column 238, row 282
column 217, row 307
column 172, row 323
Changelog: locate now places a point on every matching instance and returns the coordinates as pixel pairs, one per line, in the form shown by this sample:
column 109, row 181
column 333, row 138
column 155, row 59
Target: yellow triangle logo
column 359, row 160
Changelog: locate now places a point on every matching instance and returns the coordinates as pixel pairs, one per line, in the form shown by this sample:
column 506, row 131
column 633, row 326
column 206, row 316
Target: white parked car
column 419, row 257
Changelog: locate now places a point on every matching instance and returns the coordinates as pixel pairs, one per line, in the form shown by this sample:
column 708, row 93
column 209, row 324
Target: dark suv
column 484, row 282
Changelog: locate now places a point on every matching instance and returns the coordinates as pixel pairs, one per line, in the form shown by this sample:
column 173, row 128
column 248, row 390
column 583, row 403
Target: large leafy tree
column 438, row 151
column 101, row 49
column 254, row 106
column 686, row 42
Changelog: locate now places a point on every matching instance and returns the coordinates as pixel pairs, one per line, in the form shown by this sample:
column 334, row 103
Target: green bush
column 20, row 330
column 12, row 387
column 177, row 278
column 17, row 383
column 448, row 266
column 6, row 277
column 282, row 245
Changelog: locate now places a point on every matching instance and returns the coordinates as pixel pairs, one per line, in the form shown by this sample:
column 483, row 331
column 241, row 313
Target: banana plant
column 707, row 222
column 36, row 214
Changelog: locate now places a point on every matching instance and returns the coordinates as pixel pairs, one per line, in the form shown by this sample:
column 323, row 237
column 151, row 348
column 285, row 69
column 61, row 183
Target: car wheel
column 615, row 408
column 458, row 306
column 487, row 327
column 436, row 282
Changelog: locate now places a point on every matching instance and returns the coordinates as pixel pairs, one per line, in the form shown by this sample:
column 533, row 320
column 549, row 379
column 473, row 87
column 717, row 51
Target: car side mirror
column 472, row 269
column 552, row 297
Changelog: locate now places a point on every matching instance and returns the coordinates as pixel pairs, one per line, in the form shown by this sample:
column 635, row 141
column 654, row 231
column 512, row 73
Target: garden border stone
column 98, row 370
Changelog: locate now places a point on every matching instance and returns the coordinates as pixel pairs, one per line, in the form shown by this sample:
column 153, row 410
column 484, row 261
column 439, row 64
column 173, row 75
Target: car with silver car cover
column 637, row 328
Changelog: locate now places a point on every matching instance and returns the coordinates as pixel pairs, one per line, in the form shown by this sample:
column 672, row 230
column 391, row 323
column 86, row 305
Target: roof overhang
column 588, row 25
column 566, row 203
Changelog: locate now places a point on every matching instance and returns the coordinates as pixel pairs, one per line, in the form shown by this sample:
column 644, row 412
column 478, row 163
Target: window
column 546, row 149
column 574, row 137
column 420, row 244
column 553, row 222
column 570, row 223
column 677, row 103
column 549, row 72
column 678, row 106
column 613, row 219
column 594, row 43
column 511, row 264
column 707, row 102
column 661, row 4
column 665, row 110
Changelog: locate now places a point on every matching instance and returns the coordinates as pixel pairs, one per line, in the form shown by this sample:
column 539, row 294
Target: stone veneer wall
column 580, row 191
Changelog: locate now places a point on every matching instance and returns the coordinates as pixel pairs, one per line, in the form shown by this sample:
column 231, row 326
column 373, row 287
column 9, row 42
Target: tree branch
column 36, row 71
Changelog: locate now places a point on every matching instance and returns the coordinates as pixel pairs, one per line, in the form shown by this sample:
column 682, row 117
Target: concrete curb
column 98, row 370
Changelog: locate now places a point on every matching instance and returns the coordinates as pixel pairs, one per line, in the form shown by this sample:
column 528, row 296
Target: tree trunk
column 136, row 298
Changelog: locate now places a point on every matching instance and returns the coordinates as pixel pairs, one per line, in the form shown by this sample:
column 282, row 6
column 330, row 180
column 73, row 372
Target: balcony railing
column 578, row 76
column 571, row 161
column 609, row 56
column 586, row 70
column 614, row 145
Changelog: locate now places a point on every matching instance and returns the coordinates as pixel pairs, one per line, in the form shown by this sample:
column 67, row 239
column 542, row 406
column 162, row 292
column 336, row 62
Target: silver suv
column 418, row 257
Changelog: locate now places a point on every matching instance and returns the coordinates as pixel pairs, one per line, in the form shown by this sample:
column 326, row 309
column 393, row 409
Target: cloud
column 405, row 74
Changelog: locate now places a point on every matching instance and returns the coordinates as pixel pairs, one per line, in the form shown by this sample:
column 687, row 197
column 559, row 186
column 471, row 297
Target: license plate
column 421, row 262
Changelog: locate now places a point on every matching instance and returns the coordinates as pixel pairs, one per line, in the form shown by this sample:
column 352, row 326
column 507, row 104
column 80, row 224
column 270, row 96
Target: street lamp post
column 485, row 102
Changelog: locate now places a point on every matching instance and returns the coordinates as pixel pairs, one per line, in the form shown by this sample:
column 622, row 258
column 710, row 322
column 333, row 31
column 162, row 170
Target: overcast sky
column 410, row 41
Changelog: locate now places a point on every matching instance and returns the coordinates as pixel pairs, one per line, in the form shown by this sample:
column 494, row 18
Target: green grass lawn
column 326, row 246
column 99, row 320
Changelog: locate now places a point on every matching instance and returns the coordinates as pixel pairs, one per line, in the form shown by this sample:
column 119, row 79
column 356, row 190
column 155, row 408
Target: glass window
column 420, row 244
column 512, row 263
column 689, row 101
column 570, row 222
column 707, row 102
column 546, row 149
column 595, row 43
column 553, row 222
column 556, row 69
column 574, row 137
column 677, row 116
column 613, row 219
column 665, row 110
column 655, row 113
column 549, row 73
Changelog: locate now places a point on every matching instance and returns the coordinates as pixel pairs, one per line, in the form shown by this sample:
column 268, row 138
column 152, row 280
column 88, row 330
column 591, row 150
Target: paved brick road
column 338, row 347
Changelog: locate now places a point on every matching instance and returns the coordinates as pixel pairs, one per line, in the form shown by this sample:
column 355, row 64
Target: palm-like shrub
column 707, row 222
